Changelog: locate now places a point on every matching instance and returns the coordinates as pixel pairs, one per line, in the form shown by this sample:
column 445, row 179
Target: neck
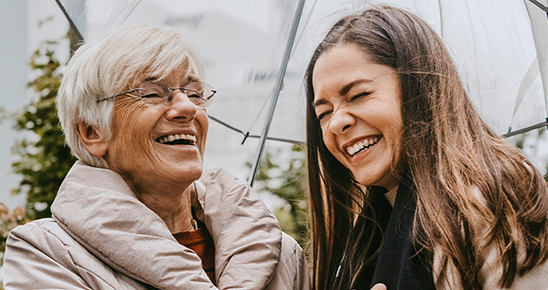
column 173, row 208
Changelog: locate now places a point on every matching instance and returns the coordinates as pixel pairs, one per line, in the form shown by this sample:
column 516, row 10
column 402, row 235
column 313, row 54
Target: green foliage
column 520, row 142
column 530, row 145
column 44, row 159
column 285, row 177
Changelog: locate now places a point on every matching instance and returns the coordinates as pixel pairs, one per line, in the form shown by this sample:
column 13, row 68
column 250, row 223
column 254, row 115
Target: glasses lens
column 154, row 93
column 199, row 93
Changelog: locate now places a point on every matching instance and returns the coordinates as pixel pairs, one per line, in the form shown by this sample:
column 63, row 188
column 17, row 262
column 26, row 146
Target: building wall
column 13, row 78
column 23, row 26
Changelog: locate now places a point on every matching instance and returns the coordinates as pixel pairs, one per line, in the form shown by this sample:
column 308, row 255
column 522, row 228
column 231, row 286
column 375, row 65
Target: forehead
column 338, row 59
column 344, row 67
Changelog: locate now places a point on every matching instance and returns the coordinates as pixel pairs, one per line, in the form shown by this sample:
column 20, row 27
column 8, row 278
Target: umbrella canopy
column 499, row 46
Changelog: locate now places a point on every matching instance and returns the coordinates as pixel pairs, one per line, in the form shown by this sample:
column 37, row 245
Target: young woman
column 408, row 186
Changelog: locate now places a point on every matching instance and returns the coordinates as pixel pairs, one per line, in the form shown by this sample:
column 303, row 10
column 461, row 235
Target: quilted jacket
column 101, row 236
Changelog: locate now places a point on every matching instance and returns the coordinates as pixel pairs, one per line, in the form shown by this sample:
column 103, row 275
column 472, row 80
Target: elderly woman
column 133, row 212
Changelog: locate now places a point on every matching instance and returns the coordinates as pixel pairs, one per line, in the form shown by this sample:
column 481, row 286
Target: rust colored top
column 202, row 244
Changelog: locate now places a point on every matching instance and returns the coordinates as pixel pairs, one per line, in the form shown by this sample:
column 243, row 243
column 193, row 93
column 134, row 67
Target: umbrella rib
column 247, row 135
column 226, row 125
column 259, row 113
column 539, row 5
column 441, row 18
column 76, row 31
column 299, row 38
column 131, row 11
column 277, row 88
column 526, row 129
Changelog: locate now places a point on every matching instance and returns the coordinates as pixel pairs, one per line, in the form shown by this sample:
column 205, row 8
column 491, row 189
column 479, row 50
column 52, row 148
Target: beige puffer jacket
column 102, row 237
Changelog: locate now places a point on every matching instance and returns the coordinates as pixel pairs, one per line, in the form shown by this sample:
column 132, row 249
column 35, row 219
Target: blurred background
column 499, row 46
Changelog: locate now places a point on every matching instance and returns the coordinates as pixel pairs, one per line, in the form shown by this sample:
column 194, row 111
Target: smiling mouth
column 177, row 139
column 362, row 145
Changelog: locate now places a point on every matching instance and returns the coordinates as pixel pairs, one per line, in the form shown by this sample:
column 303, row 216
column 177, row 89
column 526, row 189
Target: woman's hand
column 379, row 286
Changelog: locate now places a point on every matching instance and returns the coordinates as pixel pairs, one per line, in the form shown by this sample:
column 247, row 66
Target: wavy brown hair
column 473, row 190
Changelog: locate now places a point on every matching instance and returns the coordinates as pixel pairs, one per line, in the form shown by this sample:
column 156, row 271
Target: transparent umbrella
column 255, row 54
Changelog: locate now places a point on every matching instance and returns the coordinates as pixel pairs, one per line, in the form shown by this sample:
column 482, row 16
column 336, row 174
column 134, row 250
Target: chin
column 194, row 171
column 368, row 179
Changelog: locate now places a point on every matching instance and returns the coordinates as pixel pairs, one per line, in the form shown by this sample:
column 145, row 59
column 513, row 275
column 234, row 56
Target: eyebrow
column 343, row 91
column 151, row 79
column 192, row 79
column 319, row 103
column 187, row 79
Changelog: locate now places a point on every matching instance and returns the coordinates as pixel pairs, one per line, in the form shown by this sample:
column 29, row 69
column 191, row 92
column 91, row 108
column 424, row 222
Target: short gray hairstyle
column 109, row 66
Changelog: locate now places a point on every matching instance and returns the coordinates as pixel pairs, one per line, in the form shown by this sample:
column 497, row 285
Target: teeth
column 174, row 137
column 366, row 143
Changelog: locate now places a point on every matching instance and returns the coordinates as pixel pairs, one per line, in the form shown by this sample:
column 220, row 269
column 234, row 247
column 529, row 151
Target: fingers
column 379, row 286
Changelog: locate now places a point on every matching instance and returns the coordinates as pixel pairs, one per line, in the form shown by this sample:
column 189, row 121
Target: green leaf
column 43, row 158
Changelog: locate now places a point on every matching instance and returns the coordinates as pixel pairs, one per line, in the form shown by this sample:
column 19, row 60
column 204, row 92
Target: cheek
column 328, row 140
column 127, row 122
column 203, row 123
column 397, row 127
column 125, row 112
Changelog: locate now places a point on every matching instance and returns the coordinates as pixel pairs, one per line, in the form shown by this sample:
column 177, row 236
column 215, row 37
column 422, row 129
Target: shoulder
column 42, row 255
column 226, row 202
column 246, row 234
column 537, row 278
column 38, row 233
column 292, row 269
column 491, row 272
column 43, row 239
column 36, row 249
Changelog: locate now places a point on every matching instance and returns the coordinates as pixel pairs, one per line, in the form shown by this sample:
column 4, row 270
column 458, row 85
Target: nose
column 341, row 121
column 180, row 107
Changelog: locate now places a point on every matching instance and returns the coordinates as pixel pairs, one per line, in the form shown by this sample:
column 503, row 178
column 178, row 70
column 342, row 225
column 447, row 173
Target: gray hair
column 109, row 66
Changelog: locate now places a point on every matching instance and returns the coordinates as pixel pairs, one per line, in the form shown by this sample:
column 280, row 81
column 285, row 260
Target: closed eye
column 359, row 96
column 151, row 96
column 323, row 116
column 191, row 94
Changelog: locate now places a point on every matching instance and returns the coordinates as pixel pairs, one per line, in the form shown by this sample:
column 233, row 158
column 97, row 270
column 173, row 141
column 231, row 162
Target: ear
column 94, row 141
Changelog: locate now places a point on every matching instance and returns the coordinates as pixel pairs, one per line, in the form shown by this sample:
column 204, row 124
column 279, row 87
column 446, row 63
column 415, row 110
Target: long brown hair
column 473, row 190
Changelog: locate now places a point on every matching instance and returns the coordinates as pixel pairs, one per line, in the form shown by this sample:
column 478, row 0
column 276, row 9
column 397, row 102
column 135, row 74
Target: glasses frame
column 181, row 89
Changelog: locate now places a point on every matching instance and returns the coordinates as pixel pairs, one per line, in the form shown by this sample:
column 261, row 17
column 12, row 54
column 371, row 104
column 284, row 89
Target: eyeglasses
column 154, row 93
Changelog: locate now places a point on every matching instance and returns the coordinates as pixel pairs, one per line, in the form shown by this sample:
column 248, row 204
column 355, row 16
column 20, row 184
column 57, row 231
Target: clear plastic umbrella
column 255, row 51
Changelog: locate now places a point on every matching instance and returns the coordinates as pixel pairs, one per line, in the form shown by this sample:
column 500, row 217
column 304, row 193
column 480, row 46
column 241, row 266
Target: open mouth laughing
column 362, row 145
column 177, row 139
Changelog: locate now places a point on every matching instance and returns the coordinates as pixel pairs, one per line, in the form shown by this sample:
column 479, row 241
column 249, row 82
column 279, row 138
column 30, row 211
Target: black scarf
column 400, row 266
